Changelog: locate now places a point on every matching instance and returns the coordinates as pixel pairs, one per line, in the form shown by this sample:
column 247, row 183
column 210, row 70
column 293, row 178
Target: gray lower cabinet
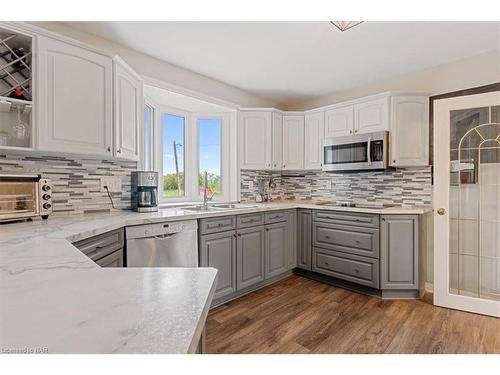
column 399, row 251
column 346, row 238
column 218, row 250
column 112, row 260
column 250, row 256
column 276, row 249
column 304, row 239
column 105, row 249
column 354, row 268
column 292, row 239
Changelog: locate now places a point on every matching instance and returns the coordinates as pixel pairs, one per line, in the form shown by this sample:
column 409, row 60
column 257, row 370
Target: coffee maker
column 144, row 191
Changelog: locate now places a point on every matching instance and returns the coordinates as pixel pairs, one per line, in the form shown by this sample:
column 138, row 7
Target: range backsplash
column 76, row 181
column 405, row 186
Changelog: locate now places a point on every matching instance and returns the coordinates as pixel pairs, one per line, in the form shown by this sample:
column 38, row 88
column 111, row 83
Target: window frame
column 152, row 157
column 158, row 146
column 225, row 151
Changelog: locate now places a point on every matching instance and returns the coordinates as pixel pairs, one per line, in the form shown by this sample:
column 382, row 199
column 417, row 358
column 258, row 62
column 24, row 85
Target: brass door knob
column 441, row 211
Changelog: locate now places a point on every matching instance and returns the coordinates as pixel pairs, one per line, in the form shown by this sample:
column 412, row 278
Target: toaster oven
column 24, row 196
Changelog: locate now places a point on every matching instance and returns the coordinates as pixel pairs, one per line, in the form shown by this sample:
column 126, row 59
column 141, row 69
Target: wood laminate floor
column 298, row 315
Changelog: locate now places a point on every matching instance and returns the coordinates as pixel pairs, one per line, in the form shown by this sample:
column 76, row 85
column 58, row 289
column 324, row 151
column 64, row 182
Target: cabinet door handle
column 119, row 151
column 350, row 131
column 108, row 149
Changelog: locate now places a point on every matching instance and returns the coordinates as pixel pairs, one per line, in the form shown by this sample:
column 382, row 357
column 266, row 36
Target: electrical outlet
column 114, row 184
column 250, row 185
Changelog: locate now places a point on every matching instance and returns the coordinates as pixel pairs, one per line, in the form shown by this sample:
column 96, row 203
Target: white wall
column 472, row 72
column 163, row 71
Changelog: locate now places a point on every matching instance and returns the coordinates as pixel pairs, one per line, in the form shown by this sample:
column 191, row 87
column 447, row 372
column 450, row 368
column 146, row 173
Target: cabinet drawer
column 349, row 239
column 112, row 260
column 352, row 268
column 275, row 217
column 217, row 224
column 350, row 218
column 102, row 245
column 249, row 220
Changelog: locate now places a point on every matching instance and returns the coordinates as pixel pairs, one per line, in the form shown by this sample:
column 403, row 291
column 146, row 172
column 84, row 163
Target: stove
column 374, row 205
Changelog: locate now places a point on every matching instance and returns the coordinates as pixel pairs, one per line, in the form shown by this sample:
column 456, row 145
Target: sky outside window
column 209, row 141
column 173, row 136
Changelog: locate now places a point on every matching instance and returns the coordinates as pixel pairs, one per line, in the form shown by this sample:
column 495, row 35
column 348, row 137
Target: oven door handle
column 369, row 151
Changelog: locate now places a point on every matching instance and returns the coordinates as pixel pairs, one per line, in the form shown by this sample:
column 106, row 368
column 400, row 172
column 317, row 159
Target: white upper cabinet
column 409, row 143
column 371, row 116
column 293, row 142
column 339, row 122
column 277, row 144
column 128, row 104
column 75, row 99
column 314, row 135
column 255, row 139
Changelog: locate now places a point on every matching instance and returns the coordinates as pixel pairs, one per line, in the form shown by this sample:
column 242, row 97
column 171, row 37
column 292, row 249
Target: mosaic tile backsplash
column 403, row 186
column 76, row 181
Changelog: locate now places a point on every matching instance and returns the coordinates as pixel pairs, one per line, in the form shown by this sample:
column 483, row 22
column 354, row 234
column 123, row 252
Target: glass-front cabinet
column 16, row 90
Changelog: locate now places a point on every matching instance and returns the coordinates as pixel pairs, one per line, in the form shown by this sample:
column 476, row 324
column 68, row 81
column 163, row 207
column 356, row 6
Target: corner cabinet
column 255, row 129
column 409, row 143
column 304, row 239
column 75, row 99
column 277, row 141
column 293, row 142
column 314, row 134
column 128, row 104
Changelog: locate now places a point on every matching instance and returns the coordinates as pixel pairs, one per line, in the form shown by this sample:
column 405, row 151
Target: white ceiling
column 289, row 62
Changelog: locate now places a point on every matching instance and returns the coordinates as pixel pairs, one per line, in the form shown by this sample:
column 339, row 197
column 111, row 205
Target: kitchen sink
column 199, row 208
column 232, row 206
column 218, row 207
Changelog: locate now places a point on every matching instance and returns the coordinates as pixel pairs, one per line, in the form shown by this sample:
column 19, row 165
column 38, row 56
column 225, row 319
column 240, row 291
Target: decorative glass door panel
column 467, row 203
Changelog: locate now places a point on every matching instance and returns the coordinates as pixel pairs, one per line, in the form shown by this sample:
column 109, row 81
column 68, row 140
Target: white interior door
column 467, row 203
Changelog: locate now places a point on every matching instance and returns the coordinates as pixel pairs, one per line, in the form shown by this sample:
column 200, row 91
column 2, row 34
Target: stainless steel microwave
column 356, row 152
column 24, row 196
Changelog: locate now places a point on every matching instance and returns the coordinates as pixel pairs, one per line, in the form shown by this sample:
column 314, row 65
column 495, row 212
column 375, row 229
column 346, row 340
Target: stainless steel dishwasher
column 173, row 244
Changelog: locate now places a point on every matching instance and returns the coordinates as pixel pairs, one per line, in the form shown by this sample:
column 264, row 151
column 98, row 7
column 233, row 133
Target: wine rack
column 15, row 89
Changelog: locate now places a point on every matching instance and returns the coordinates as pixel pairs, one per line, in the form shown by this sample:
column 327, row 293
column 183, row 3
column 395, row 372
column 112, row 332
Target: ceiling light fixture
column 345, row 25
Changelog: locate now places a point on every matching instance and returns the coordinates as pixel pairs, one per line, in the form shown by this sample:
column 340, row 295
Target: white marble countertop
column 52, row 296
